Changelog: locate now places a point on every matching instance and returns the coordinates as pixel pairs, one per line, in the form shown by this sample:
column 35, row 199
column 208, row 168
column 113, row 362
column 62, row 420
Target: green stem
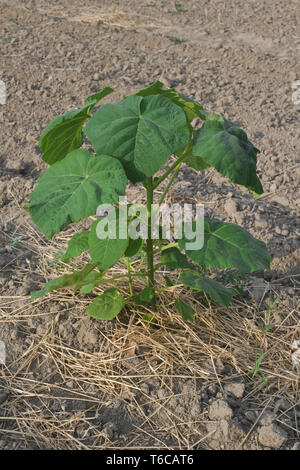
column 165, row 247
column 127, row 262
column 149, row 245
column 187, row 149
column 169, row 184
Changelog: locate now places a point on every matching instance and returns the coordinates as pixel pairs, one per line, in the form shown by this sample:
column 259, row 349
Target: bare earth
column 71, row 382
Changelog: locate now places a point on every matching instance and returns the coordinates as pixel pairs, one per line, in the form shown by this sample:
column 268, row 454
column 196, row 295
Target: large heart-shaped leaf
column 64, row 133
column 226, row 147
column 227, row 246
column 107, row 305
column 191, row 108
column 72, row 189
column 106, row 251
column 141, row 132
column 219, row 293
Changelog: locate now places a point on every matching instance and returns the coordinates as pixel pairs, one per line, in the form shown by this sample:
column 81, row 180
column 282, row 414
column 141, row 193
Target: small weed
column 178, row 8
column 15, row 242
column 176, row 40
column 256, row 368
column 264, row 327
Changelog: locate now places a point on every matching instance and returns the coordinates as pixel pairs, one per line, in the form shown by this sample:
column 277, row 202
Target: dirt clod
column 220, row 409
column 272, row 436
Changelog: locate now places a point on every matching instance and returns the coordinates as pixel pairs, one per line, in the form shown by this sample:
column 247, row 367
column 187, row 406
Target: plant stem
column 149, row 245
column 127, row 262
column 187, row 149
column 165, row 247
column 169, row 184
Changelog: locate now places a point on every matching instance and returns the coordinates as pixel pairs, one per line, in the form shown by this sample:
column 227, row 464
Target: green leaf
column 226, row 147
column 77, row 245
column 227, row 246
column 196, row 162
column 169, row 283
column 173, row 259
column 72, row 190
column 107, row 305
column 94, row 99
column 91, row 281
column 134, row 247
column 185, row 310
column 106, row 251
column 75, row 280
column 219, row 293
column 149, row 320
column 141, row 132
column 63, row 135
column 144, row 297
column 191, row 108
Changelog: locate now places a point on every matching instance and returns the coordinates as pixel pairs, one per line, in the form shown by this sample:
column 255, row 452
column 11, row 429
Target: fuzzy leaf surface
column 219, row 293
column 226, row 147
column 63, row 135
column 94, row 99
column 78, row 244
column 134, row 247
column 174, row 259
column 74, row 280
column 106, row 252
column 72, row 189
column 107, row 305
column 186, row 311
column 142, row 132
column 144, row 297
column 228, row 246
column 191, row 108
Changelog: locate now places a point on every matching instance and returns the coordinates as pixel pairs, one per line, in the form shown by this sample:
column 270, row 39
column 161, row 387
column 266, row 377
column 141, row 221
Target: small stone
column 145, row 388
column 251, row 416
column 4, row 394
column 280, row 200
column 236, row 388
column 110, row 429
column 296, row 446
column 272, row 436
column 260, row 222
column 281, row 404
column 285, row 232
column 96, row 76
column 162, row 393
column 219, row 409
column 230, row 207
column 258, row 288
column 267, row 418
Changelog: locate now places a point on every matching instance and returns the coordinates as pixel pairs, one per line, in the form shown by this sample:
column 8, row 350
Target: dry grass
column 128, row 355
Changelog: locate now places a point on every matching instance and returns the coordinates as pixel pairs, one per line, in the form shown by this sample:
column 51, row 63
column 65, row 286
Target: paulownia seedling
column 133, row 139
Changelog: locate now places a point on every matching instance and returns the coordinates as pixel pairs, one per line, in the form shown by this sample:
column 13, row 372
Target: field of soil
column 72, row 382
